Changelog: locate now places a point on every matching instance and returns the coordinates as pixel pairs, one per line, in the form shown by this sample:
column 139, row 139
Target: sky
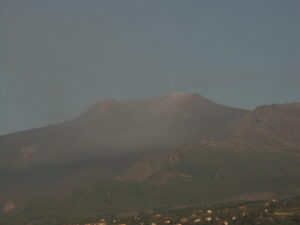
column 59, row 57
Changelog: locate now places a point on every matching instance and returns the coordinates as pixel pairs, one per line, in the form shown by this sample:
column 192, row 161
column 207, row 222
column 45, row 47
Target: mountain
column 104, row 142
column 273, row 123
column 199, row 153
column 268, row 128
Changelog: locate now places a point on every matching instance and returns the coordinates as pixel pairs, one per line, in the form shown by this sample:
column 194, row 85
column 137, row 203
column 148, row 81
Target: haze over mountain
column 180, row 149
column 59, row 159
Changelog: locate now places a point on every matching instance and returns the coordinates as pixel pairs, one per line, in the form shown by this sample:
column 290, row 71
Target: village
column 264, row 213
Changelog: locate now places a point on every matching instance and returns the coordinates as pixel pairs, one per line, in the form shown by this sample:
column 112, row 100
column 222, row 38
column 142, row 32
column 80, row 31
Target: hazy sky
column 57, row 58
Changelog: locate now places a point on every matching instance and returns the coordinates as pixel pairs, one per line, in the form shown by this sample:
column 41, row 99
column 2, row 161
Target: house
column 198, row 220
column 184, row 220
column 208, row 218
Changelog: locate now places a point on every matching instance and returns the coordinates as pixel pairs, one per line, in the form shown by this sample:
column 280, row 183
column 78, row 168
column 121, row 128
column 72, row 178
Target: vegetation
column 269, row 212
column 200, row 177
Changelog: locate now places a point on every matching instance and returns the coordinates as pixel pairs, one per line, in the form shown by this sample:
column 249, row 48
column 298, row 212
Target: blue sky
column 57, row 58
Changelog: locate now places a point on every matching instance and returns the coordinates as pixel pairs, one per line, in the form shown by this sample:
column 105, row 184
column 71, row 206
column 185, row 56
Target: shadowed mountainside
column 102, row 143
column 209, row 154
column 247, row 161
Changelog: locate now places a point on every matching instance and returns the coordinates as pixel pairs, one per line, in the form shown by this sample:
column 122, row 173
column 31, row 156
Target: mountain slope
column 102, row 143
column 267, row 129
column 247, row 161
column 279, row 122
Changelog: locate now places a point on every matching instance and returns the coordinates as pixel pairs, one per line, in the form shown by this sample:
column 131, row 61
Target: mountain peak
column 194, row 97
column 175, row 94
column 295, row 106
